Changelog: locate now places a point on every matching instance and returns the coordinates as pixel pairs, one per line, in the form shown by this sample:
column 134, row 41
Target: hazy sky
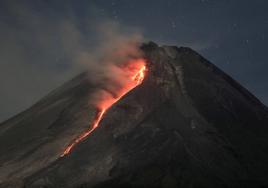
column 40, row 39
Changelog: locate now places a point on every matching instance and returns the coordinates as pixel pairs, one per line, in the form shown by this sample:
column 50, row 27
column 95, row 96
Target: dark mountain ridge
column 187, row 125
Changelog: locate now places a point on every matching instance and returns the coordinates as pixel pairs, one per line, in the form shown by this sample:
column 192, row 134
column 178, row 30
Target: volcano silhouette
column 187, row 125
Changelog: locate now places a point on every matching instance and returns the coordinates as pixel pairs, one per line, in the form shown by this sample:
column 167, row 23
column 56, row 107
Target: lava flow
column 135, row 71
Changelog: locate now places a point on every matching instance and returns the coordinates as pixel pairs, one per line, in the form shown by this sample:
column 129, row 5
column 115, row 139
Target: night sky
column 39, row 39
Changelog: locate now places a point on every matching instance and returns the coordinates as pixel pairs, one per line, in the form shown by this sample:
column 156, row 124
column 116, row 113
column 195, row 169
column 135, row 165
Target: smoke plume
column 44, row 44
column 112, row 61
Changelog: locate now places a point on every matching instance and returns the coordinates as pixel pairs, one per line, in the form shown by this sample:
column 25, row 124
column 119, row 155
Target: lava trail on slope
column 136, row 72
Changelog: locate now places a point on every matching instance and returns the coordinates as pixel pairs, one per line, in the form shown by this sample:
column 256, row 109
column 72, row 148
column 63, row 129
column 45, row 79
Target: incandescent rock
column 187, row 125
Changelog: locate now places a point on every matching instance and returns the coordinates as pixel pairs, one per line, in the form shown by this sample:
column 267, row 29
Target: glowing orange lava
column 136, row 72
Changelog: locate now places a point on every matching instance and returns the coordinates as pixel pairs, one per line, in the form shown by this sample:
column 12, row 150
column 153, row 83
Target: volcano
column 185, row 124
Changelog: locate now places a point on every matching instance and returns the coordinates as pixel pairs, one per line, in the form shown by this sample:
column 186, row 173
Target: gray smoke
column 117, row 45
column 40, row 51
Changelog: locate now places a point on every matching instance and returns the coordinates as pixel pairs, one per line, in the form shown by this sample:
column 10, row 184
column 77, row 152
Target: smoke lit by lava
column 135, row 71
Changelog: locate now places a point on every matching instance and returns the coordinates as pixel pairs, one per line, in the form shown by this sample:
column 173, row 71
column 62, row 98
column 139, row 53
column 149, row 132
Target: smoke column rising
column 43, row 48
column 113, row 61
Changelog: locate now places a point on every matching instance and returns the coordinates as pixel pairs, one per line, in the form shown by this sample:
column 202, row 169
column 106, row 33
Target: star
column 115, row 15
column 173, row 24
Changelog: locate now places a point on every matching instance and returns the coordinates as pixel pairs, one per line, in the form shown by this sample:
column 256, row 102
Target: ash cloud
column 116, row 46
column 44, row 45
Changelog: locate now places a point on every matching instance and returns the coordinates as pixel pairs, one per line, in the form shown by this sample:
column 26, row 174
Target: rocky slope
column 187, row 125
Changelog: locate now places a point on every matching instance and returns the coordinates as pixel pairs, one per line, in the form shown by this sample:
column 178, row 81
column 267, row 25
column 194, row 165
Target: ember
column 136, row 72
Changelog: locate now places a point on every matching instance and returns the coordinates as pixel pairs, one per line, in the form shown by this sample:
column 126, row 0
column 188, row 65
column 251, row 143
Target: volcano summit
column 184, row 124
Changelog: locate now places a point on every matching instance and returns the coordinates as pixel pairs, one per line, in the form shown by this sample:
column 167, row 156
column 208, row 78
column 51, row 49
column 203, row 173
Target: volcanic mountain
column 187, row 124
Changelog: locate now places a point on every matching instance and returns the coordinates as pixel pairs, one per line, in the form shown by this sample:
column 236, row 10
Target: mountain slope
column 187, row 125
column 37, row 136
